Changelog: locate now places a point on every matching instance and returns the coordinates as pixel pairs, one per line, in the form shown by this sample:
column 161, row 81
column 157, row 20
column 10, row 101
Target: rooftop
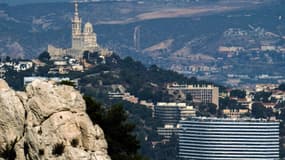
column 215, row 119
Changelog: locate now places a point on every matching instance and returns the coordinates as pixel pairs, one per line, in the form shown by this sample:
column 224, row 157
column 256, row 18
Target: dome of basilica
column 88, row 28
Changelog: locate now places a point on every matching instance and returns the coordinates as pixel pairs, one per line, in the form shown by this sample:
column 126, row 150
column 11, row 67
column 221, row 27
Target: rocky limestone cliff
column 48, row 122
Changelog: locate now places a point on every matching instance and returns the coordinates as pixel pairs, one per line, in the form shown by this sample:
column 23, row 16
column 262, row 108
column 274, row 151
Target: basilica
column 82, row 40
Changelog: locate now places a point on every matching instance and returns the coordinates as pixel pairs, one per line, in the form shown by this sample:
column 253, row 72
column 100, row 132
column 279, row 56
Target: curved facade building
column 228, row 139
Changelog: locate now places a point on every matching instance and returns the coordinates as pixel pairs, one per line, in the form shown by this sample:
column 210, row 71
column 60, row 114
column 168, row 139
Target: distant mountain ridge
column 21, row 2
column 50, row 23
column 26, row 30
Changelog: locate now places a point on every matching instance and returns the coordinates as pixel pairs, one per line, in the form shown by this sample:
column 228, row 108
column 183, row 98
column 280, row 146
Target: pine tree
column 122, row 143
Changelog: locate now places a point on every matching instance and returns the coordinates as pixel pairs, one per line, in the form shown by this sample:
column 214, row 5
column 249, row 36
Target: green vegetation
column 8, row 59
column 118, row 131
column 68, row 83
column 260, row 111
column 126, row 140
column 238, row 93
column 16, row 79
column 146, row 83
column 262, row 96
column 166, row 150
column 93, row 58
column 44, row 57
column 282, row 87
column 146, row 133
column 207, row 110
column 227, row 103
column 281, row 116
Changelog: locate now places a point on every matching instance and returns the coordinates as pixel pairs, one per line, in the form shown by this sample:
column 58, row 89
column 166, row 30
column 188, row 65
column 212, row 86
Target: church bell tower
column 76, row 28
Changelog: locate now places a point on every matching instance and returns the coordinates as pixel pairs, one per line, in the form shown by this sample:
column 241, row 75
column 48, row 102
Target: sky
column 15, row 2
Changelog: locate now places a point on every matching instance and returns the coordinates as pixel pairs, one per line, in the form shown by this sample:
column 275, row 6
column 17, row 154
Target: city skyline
column 136, row 80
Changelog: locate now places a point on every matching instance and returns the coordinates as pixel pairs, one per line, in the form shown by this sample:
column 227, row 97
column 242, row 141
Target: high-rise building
column 137, row 38
column 170, row 114
column 228, row 139
column 201, row 93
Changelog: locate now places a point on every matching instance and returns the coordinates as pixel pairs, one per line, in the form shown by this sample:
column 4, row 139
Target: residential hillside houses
column 265, row 95
column 16, row 65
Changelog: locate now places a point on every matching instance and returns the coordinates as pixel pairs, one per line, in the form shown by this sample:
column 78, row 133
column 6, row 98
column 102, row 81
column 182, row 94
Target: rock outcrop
column 48, row 122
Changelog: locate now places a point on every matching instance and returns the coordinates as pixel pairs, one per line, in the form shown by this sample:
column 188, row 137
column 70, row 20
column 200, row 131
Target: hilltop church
column 85, row 40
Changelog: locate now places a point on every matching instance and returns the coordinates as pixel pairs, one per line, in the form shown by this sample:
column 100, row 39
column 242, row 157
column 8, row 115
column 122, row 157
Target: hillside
column 123, row 75
column 196, row 31
column 146, row 83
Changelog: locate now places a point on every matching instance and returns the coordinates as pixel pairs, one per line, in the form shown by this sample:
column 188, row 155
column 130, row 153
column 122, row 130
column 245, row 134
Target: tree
column 44, row 57
column 238, row 93
column 262, row 96
column 282, row 87
column 122, row 143
column 227, row 103
column 260, row 111
column 207, row 110
column 281, row 116
column 94, row 110
column 68, row 83
column 167, row 150
column 92, row 57
column 8, row 59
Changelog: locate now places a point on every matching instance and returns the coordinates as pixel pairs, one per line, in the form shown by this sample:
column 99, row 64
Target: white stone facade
column 82, row 40
column 86, row 40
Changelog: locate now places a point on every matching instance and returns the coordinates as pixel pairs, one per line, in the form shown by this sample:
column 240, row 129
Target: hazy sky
column 16, row 2
column 13, row 2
